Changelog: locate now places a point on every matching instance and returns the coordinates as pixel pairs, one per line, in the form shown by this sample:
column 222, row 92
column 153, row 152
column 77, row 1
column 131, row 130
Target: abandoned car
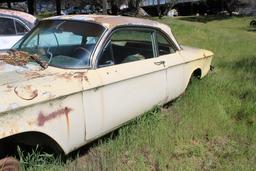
column 14, row 25
column 75, row 78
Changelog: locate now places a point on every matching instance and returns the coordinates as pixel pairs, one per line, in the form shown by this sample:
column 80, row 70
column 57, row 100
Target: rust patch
column 15, row 58
column 8, row 88
column 77, row 75
column 66, row 76
column 26, row 92
column 20, row 58
column 42, row 119
column 31, row 75
column 81, row 75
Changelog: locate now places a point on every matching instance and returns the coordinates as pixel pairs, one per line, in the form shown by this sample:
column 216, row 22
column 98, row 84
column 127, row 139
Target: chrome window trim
column 125, row 27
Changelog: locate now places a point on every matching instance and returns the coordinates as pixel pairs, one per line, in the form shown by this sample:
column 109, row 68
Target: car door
column 174, row 65
column 132, row 77
column 11, row 31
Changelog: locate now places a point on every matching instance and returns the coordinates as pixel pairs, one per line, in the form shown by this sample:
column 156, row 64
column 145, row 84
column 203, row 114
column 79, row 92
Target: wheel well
column 28, row 141
column 197, row 73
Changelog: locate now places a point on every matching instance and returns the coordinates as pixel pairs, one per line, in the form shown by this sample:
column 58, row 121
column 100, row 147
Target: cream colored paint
column 126, row 91
column 96, row 100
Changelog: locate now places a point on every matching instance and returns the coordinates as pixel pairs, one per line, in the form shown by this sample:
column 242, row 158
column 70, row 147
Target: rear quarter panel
column 195, row 58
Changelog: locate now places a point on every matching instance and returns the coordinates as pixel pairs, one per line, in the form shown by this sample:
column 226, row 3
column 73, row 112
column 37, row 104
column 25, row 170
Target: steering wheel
column 81, row 52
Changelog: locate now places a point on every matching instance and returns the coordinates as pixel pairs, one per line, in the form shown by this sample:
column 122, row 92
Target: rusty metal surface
column 20, row 58
column 15, row 58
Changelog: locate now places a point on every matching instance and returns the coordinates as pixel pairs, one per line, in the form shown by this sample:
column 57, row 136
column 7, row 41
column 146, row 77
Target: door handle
column 160, row 63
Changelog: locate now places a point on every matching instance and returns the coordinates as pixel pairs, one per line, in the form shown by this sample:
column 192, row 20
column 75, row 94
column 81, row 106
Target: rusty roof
column 110, row 21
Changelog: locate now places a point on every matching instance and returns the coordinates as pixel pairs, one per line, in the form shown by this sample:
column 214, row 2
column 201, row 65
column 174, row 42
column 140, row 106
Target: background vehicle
column 253, row 23
column 13, row 26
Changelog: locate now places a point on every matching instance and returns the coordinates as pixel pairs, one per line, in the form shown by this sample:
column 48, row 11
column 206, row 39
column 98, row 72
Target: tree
column 134, row 4
column 228, row 5
column 104, row 6
column 231, row 5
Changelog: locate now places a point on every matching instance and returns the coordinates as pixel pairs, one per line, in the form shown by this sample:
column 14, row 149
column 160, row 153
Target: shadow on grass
column 84, row 150
column 242, row 87
column 247, row 65
column 205, row 19
column 251, row 29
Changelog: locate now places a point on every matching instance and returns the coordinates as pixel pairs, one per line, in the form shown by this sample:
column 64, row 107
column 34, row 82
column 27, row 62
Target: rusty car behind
column 75, row 78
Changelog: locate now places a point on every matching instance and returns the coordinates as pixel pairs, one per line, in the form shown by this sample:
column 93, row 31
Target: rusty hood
column 14, row 63
column 11, row 73
column 22, row 86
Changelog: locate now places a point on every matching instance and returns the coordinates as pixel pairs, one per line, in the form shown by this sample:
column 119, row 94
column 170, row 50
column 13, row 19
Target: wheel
column 80, row 52
column 253, row 23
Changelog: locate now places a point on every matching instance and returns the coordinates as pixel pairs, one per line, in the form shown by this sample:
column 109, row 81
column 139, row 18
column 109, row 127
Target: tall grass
column 212, row 126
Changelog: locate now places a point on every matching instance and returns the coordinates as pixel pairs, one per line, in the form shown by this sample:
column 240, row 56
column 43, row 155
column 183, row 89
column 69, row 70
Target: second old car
column 75, row 78
column 13, row 26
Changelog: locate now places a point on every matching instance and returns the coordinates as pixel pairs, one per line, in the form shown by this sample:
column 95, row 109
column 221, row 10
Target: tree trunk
column 31, row 7
column 104, row 5
column 158, row 9
column 58, row 7
column 9, row 5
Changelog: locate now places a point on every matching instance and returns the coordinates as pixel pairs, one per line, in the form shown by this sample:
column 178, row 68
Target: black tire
column 253, row 23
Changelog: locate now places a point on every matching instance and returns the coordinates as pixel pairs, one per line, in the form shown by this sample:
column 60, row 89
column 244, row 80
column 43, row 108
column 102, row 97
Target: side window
column 164, row 46
column 127, row 45
column 20, row 28
column 7, row 26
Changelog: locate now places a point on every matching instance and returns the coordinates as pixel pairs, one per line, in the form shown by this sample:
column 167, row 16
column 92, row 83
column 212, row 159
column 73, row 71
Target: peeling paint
column 26, row 92
column 77, row 75
column 17, row 58
column 42, row 118
column 31, row 75
column 20, row 58
column 48, row 95
column 81, row 75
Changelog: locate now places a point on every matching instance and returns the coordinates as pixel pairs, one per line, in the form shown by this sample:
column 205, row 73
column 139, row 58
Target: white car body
column 6, row 42
column 68, row 108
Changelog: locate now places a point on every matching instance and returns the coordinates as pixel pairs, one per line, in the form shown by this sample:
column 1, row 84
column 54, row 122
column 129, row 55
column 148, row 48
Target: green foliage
column 37, row 160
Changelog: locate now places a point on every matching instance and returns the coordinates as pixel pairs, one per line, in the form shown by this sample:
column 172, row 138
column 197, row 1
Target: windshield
column 61, row 43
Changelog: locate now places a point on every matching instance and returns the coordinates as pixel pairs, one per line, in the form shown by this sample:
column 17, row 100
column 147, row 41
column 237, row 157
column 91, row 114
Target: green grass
column 212, row 126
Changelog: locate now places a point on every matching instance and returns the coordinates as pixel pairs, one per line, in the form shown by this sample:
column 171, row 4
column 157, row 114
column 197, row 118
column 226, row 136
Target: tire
column 253, row 23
